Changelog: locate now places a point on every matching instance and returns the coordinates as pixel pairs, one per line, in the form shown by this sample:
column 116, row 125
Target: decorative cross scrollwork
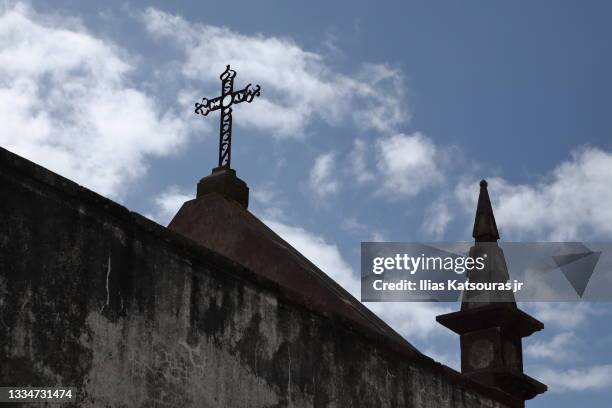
column 224, row 103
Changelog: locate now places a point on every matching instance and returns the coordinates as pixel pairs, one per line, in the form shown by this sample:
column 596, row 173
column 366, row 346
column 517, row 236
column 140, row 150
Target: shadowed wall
column 131, row 314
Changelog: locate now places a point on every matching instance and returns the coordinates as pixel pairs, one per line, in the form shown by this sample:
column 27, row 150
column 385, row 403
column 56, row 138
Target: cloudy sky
column 375, row 123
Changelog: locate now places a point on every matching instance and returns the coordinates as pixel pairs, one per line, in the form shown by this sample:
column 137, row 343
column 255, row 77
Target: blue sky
column 376, row 121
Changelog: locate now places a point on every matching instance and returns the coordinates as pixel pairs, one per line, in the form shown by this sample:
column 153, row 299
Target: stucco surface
column 133, row 315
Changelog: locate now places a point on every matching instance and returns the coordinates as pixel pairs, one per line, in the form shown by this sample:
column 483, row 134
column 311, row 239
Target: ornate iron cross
column 224, row 102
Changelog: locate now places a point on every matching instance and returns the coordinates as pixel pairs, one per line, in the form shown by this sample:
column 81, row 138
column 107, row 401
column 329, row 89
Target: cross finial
column 224, row 103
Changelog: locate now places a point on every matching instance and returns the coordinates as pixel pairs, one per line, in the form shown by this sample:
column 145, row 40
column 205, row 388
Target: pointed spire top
column 485, row 228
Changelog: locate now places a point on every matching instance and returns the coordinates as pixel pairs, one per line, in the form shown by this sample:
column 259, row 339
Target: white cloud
column 559, row 348
column 378, row 236
column 297, row 85
column 562, row 315
column 168, row 203
column 358, row 162
column 436, row 218
column 322, row 179
column 68, row 102
column 572, row 202
column 271, row 202
column 352, row 226
column 585, row 379
column 265, row 194
column 362, row 231
column 450, row 359
column 408, row 164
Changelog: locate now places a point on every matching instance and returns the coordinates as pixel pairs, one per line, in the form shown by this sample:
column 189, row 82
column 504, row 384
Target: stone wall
column 133, row 315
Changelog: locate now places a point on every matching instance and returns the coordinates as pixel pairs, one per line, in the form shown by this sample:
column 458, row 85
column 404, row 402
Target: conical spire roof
column 490, row 324
column 485, row 228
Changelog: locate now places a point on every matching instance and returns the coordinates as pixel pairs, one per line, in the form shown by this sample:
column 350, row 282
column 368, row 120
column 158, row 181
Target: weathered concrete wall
column 96, row 297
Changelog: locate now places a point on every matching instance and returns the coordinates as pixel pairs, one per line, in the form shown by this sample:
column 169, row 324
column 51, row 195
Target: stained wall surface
column 133, row 315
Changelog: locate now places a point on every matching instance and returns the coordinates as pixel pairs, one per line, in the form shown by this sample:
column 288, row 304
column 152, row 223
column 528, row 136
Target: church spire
column 490, row 325
column 485, row 228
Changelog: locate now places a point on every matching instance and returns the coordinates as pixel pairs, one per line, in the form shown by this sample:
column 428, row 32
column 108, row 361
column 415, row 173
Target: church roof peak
column 485, row 227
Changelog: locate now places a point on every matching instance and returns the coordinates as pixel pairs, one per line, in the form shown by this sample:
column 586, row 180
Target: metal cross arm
column 224, row 103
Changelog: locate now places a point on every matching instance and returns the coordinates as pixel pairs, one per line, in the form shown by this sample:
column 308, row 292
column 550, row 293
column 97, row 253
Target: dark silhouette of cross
column 224, row 102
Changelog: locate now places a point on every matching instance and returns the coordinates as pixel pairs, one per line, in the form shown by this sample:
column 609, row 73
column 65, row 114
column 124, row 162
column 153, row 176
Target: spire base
column 503, row 315
column 224, row 182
